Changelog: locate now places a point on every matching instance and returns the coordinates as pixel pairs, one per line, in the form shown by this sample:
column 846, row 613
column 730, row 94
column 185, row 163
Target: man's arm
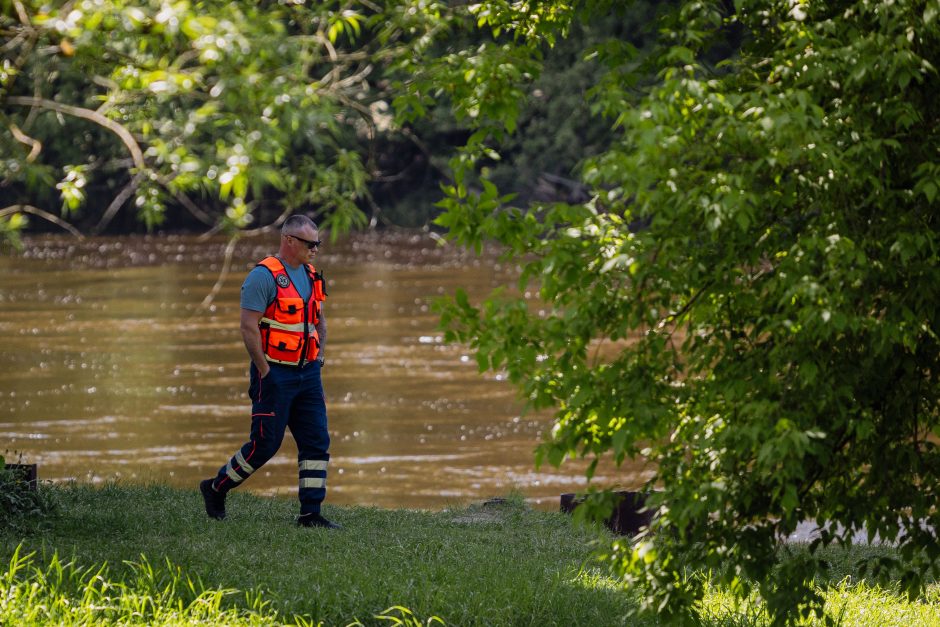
column 321, row 331
column 252, row 338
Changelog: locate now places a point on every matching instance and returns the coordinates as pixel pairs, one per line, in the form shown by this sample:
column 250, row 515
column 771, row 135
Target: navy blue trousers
column 286, row 398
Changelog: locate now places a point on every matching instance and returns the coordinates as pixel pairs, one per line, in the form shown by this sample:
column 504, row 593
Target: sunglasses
column 310, row 245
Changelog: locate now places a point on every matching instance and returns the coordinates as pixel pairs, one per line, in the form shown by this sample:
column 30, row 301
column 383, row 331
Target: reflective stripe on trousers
column 312, row 473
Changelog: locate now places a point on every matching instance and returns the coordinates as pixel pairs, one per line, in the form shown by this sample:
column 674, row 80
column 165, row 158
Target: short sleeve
column 258, row 290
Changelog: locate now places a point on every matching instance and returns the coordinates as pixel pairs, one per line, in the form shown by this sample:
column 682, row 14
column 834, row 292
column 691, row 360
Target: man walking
column 284, row 331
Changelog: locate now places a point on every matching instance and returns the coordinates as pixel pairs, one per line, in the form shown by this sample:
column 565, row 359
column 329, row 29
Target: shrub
column 21, row 507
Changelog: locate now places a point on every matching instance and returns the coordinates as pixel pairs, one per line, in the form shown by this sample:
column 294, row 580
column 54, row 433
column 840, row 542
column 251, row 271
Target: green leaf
column 460, row 296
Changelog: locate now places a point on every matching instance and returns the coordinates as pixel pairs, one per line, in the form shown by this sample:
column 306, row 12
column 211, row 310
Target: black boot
column 215, row 500
column 316, row 520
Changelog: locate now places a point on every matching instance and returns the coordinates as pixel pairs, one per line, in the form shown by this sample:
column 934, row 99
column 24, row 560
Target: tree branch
column 334, row 74
column 21, row 13
column 86, row 114
column 37, row 93
column 674, row 317
column 226, row 266
column 270, row 227
column 184, row 200
column 14, row 42
column 118, row 201
column 352, row 79
column 42, row 214
column 230, row 249
column 35, row 146
column 428, row 153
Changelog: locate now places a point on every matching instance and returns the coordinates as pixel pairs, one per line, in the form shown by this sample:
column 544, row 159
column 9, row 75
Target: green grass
column 482, row 565
column 847, row 602
column 134, row 555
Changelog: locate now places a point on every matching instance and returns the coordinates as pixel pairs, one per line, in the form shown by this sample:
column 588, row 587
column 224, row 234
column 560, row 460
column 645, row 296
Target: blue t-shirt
column 259, row 290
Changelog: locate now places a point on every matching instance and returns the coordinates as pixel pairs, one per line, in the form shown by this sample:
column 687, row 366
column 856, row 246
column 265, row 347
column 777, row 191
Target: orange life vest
column 288, row 326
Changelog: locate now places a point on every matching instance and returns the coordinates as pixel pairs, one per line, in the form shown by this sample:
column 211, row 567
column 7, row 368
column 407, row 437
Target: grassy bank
column 149, row 555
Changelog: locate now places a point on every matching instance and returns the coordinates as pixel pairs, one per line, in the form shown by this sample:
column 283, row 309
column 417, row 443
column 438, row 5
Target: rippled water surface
column 111, row 368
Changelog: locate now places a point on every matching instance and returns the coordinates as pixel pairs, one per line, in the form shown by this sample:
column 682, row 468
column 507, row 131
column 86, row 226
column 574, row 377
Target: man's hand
column 252, row 338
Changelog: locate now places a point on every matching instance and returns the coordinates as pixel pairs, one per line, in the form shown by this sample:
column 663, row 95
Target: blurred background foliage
column 244, row 112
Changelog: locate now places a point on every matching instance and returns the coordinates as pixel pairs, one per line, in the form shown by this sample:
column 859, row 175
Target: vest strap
column 274, row 324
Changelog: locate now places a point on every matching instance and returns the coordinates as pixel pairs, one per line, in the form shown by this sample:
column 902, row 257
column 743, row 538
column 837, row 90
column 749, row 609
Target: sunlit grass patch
column 62, row 593
column 849, row 603
column 862, row 604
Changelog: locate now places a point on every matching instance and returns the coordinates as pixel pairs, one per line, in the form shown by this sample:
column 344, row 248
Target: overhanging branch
column 42, row 214
column 184, row 200
column 86, row 114
column 118, row 201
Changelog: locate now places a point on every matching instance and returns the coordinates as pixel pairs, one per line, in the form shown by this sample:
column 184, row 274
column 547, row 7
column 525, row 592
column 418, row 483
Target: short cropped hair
column 297, row 222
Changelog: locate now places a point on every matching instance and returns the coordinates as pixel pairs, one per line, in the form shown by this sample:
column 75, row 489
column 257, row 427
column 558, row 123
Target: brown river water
column 110, row 369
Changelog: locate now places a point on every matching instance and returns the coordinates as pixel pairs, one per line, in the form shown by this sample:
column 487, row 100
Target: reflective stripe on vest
column 288, row 325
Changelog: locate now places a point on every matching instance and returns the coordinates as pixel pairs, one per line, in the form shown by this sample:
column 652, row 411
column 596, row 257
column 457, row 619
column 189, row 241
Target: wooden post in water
column 629, row 516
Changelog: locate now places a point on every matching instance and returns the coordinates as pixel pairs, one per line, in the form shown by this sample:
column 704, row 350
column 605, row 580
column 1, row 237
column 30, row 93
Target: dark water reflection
column 110, row 368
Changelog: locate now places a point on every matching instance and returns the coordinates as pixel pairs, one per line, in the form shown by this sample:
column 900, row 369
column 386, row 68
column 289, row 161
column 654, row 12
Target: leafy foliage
column 21, row 508
column 221, row 108
column 556, row 130
column 242, row 115
column 748, row 299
